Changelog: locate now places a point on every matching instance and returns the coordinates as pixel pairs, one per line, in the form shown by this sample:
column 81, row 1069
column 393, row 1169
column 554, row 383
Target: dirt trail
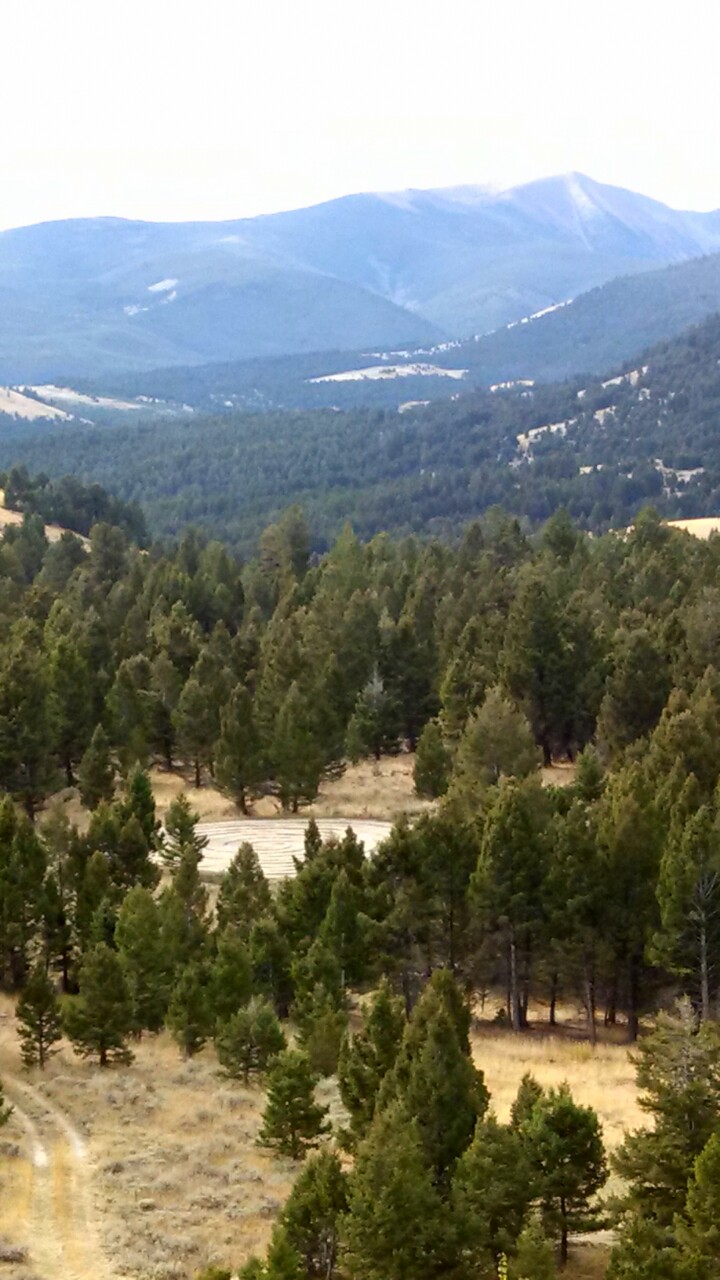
column 51, row 1208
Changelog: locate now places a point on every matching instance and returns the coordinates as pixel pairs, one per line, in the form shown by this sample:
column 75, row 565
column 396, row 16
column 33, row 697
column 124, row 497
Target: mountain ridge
column 83, row 295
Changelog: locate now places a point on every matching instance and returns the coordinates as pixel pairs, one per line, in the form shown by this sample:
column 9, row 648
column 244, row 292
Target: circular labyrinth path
column 276, row 841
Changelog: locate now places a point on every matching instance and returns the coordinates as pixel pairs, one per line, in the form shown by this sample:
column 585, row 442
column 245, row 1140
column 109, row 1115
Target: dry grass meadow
column 153, row 1170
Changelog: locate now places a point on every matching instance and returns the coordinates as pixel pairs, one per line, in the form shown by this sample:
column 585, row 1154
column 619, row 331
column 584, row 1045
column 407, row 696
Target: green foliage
column 244, row 895
column 144, row 958
column 564, row 1141
column 231, row 981
column 99, row 1020
column 239, row 766
column 249, row 1039
column 5, row 1112
column 322, row 1027
column 190, row 1014
column 534, row 1256
column 181, row 837
column 497, row 741
column 492, row 1189
column 367, row 1056
column 678, row 1074
column 431, row 771
column 38, row 1016
column 292, row 1120
column 397, row 1225
column 313, row 1214
column 96, row 775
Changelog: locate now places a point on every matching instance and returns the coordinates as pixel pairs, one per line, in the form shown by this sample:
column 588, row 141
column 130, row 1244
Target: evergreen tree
column 38, row 1015
column 100, row 1019
column 69, row 703
column 444, row 1094
column 292, row 1120
column 189, row 1016
column 239, row 766
column 534, row 1256
column 296, row 755
column 700, row 1238
column 194, row 719
column 139, row 803
column 529, row 1092
column 322, row 1027
column 366, row 1058
column 637, row 689
column 344, row 930
column 536, row 663
column 688, row 892
column 231, row 981
column 244, row 895
column 23, row 863
column 313, row 1214
column 431, row 771
column 283, row 1260
column 566, row 1148
column 507, row 885
column 270, row 958
column 144, row 958
column 497, row 742
column 492, row 1189
column 373, row 728
column 249, row 1039
column 96, row 775
column 184, row 913
column 180, row 835
column 27, row 771
column 397, row 1226
column 678, row 1073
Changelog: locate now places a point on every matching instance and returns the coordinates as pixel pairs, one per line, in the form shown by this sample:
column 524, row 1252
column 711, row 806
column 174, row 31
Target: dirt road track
column 50, row 1206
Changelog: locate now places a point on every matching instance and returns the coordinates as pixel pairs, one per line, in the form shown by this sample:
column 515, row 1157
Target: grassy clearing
column 177, row 1180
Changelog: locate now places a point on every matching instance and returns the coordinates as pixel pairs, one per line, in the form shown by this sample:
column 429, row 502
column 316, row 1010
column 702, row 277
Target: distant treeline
column 69, row 503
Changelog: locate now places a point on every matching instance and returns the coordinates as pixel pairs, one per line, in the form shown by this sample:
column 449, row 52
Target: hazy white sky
column 222, row 108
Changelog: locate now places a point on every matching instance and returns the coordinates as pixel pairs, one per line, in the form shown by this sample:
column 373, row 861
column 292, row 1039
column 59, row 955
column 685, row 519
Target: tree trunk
column 553, row 999
column 590, row 1005
column 632, row 1013
column 704, row 972
column 103, row 1057
column 611, row 1003
column 515, row 1011
column 197, row 773
column 564, row 1232
column 69, row 775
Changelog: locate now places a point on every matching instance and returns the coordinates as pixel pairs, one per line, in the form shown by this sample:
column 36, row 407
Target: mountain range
column 420, row 267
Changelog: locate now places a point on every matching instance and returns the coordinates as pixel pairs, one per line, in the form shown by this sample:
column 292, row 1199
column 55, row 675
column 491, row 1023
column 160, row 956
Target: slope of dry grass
column 176, row 1180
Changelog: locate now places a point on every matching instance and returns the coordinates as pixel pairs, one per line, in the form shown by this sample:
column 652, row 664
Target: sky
column 182, row 109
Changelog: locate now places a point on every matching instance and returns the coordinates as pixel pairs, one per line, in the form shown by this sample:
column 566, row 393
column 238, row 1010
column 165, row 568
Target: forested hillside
column 599, row 447
column 490, row 658
column 591, row 334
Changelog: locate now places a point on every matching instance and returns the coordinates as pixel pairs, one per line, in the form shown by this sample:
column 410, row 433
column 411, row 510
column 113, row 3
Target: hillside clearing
column 173, row 1181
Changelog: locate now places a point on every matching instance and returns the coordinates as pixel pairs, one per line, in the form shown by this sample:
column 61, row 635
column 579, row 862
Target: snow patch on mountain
column 379, row 372
column 162, row 286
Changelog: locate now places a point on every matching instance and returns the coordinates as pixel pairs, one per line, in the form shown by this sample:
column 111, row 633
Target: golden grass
column 176, row 1179
column 602, row 1078
column 381, row 790
column 701, row 527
